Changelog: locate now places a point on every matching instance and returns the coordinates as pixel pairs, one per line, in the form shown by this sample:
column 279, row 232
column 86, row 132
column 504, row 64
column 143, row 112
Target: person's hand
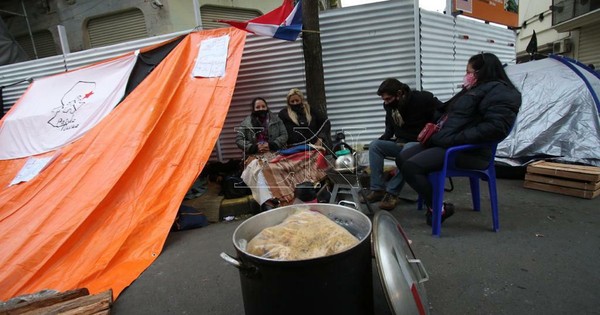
column 263, row 147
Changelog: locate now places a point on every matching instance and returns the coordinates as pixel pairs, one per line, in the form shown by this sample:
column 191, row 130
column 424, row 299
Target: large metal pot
column 336, row 284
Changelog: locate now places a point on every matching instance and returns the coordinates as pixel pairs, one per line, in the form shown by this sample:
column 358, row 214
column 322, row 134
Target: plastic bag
column 304, row 234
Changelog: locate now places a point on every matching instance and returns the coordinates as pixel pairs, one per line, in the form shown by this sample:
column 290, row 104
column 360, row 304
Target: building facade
column 564, row 27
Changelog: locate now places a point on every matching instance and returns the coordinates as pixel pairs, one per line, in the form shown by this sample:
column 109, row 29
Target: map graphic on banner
column 57, row 110
column 64, row 116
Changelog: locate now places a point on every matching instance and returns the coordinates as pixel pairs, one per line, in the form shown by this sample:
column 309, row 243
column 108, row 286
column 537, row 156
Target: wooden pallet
column 74, row 302
column 566, row 179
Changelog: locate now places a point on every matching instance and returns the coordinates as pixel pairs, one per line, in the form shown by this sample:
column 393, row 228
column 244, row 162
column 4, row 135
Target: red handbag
column 427, row 132
column 430, row 129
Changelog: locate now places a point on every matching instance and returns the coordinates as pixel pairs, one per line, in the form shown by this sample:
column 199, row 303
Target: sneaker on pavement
column 447, row 211
column 389, row 202
column 373, row 196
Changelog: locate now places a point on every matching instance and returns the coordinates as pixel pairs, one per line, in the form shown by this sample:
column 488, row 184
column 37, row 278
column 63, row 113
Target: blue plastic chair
column 437, row 179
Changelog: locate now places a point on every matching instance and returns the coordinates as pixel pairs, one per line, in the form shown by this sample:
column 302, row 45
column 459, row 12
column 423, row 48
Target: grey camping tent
column 559, row 116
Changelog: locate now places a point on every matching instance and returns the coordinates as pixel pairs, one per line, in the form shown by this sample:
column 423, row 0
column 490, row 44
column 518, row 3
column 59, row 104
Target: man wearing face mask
column 262, row 131
column 406, row 113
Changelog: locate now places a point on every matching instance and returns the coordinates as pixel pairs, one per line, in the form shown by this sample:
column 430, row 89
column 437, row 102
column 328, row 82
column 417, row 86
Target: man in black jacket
column 406, row 113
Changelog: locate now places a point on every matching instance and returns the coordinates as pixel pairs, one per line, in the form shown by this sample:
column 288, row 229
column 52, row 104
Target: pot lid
column 401, row 274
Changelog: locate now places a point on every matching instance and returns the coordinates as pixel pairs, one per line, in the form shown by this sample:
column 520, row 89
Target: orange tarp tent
column 100, row 213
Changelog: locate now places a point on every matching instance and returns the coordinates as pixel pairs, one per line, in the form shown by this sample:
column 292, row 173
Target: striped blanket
column 276, row 176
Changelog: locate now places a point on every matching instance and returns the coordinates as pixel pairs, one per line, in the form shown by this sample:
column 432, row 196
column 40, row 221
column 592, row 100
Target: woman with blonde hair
column 303, row 127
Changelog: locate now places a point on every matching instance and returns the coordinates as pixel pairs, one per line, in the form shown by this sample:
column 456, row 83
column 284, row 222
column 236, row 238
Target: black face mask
column 395, row 104
column 299, row 109
column 260, row 113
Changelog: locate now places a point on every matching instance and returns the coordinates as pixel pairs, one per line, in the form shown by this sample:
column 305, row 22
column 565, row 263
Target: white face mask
column 469, row 80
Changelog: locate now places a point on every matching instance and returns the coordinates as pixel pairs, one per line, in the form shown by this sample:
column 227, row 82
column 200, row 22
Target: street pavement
column 544, row 260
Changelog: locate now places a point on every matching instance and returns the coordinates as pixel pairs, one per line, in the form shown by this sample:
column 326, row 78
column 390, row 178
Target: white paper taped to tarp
column 559, row 116
column 59, row 109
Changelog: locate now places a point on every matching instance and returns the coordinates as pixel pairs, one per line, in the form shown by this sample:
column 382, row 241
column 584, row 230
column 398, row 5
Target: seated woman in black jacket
column 302, row 125
column 483, row 111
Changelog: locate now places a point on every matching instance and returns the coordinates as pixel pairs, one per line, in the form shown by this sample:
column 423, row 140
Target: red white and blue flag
column 285, row 22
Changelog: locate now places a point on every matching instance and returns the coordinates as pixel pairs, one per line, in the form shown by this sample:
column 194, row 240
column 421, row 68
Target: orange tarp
column 99, row 215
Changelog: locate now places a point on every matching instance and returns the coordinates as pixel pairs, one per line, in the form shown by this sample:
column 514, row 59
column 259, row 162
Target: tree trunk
column 313, row 61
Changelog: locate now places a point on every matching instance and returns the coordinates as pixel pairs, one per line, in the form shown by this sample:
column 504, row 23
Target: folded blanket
column 296, row 149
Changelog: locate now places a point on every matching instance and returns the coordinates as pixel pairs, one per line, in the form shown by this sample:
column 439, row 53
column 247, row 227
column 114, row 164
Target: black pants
column 418, row 161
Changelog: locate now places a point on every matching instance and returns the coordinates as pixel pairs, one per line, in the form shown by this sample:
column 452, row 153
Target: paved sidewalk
column 544, row 260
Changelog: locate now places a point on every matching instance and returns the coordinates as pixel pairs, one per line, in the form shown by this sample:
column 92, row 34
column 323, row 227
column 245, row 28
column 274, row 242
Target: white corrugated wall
column 362, row 46
column 447, row 43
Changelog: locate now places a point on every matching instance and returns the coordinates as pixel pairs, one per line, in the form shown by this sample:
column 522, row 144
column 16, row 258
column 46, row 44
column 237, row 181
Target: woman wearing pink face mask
column 483, row 111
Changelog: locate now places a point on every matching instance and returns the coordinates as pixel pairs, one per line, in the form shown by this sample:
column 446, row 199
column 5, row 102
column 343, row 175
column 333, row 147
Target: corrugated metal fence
column 362, row 45
column 448, row 43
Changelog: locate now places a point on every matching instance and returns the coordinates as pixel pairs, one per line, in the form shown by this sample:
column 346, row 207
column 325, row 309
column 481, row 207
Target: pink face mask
column 469, row 80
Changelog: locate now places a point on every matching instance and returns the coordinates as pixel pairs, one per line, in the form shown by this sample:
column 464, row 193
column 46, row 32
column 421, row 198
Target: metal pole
column 64, row 44
column 197, row 15
column 417, row 35
column 29, row 29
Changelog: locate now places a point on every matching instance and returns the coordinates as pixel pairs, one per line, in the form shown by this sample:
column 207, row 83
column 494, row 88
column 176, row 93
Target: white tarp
column 59, row 109
column 559, row 116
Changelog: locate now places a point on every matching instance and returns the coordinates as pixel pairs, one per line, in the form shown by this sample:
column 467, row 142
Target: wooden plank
column 575, row 167
column 562, row 182
column 43, row 301
column 89, row 304
column 591, row 172
column 578, row 172
column 587, row 194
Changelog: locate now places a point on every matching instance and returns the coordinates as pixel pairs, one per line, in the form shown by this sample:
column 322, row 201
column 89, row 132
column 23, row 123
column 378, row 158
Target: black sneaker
column 447, row 211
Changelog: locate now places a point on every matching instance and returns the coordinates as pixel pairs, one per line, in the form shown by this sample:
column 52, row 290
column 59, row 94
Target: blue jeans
column 378, row 150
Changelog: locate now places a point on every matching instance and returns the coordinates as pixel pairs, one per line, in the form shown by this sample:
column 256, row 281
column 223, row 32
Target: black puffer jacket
column 483, row 114
column 418, row 110
column 303, row 134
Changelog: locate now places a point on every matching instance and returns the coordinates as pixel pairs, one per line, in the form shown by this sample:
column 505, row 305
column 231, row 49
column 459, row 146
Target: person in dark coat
column 262, row 131
column 302, row 125
column 484, row 111
column 406, row 113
